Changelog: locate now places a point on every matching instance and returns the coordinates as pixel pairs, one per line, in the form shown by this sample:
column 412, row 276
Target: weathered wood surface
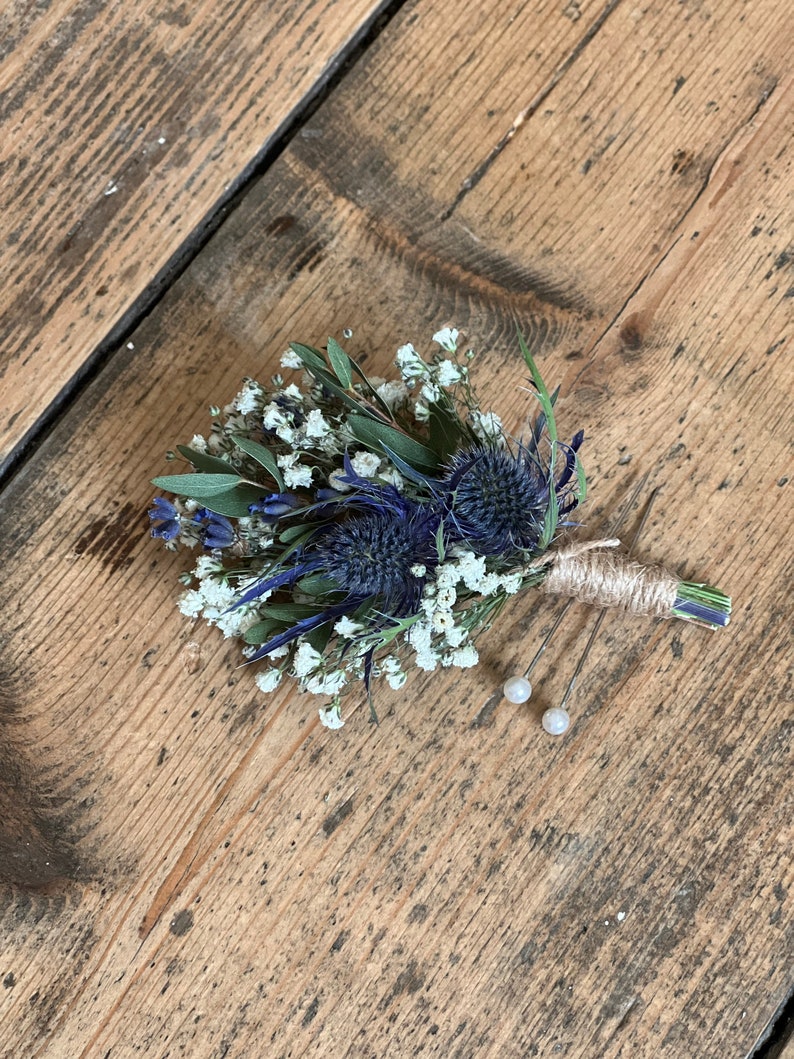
column 788, row 1050
column 200, row 872
column 123, row 126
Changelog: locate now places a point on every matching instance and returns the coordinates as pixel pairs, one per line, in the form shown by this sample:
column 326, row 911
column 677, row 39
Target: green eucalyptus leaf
column 202, row 461
column 294, row 533
column 263, row 456
column 326, row 379
column 379, row 436
column 311, row 357
column 262, row 631
column 344, row 366
column 317, row 585
column 289, row 612
column 340, row 362
column 316, row 364
column 318, row 638
column 445, row 430
column 406, row 470
column 194, row 484
column 373, row 393
column 233, row 503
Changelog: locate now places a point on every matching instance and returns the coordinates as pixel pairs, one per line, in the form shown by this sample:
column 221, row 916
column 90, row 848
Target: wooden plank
column 231, row 878
column 788, row 1049
column 122, row 128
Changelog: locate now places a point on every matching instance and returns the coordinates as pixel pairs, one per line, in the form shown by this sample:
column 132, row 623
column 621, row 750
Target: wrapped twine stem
column 590, row 574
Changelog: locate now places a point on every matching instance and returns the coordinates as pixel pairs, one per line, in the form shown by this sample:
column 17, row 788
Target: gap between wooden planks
column 123, row 127
column 460, row 904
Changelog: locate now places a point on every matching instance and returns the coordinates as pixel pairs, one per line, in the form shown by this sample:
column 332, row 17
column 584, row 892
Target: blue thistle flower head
column 371, row 555
column 496, row 498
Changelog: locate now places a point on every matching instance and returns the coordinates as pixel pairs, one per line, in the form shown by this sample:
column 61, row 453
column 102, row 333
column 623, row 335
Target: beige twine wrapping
column 609, row 579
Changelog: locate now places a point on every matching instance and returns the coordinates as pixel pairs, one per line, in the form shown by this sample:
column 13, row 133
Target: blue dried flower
column 497, row 499
column 218, row 531
column 370, row 556
column 275, row 505
column 366, row 558
column 163, row 512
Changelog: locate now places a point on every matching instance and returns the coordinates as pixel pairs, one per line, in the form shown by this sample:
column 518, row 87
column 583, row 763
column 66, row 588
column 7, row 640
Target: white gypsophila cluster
column 411, row 365
column 213, row 599
column 331, row 716
column 348, row 628
column 487, row 426
column 441, row 636
column 290, row 359
column 306, row 661
column 249, row 399
column 470, row 569
column 391, row 668
column 433, row 377
column 326, row 683
column 393, row 394
column 268, row 679
column 447, row 338
column 366, row 464
column 296, row 474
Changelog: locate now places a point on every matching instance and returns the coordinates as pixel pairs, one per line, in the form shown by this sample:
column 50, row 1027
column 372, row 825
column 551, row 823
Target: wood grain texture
column 123, row 126
column 788, row 1050
column 239, row 881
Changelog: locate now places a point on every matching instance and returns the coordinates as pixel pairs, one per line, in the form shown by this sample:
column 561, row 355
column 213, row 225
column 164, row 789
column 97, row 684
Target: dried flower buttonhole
column 353, row 527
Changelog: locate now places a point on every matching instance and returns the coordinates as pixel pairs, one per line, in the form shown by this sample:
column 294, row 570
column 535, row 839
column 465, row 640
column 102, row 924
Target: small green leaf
column 318, row 638
column 373, row 393
column 445, row 431
column 552, row 511
column 440, row 548
column 316, row 365
column 194, row 484
column 581, row 491
column 311, row 357
column 262, row 631
column 326, row 379
column 406, row 470
column 546, row 402
column 263, row 456
column 340, row 362
column 379, row 436
column 293, row 533
column 233, row 503
column 396, row 628
column 317, row 585
column 549, row 526
column 289, row 612
column 204, row 462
